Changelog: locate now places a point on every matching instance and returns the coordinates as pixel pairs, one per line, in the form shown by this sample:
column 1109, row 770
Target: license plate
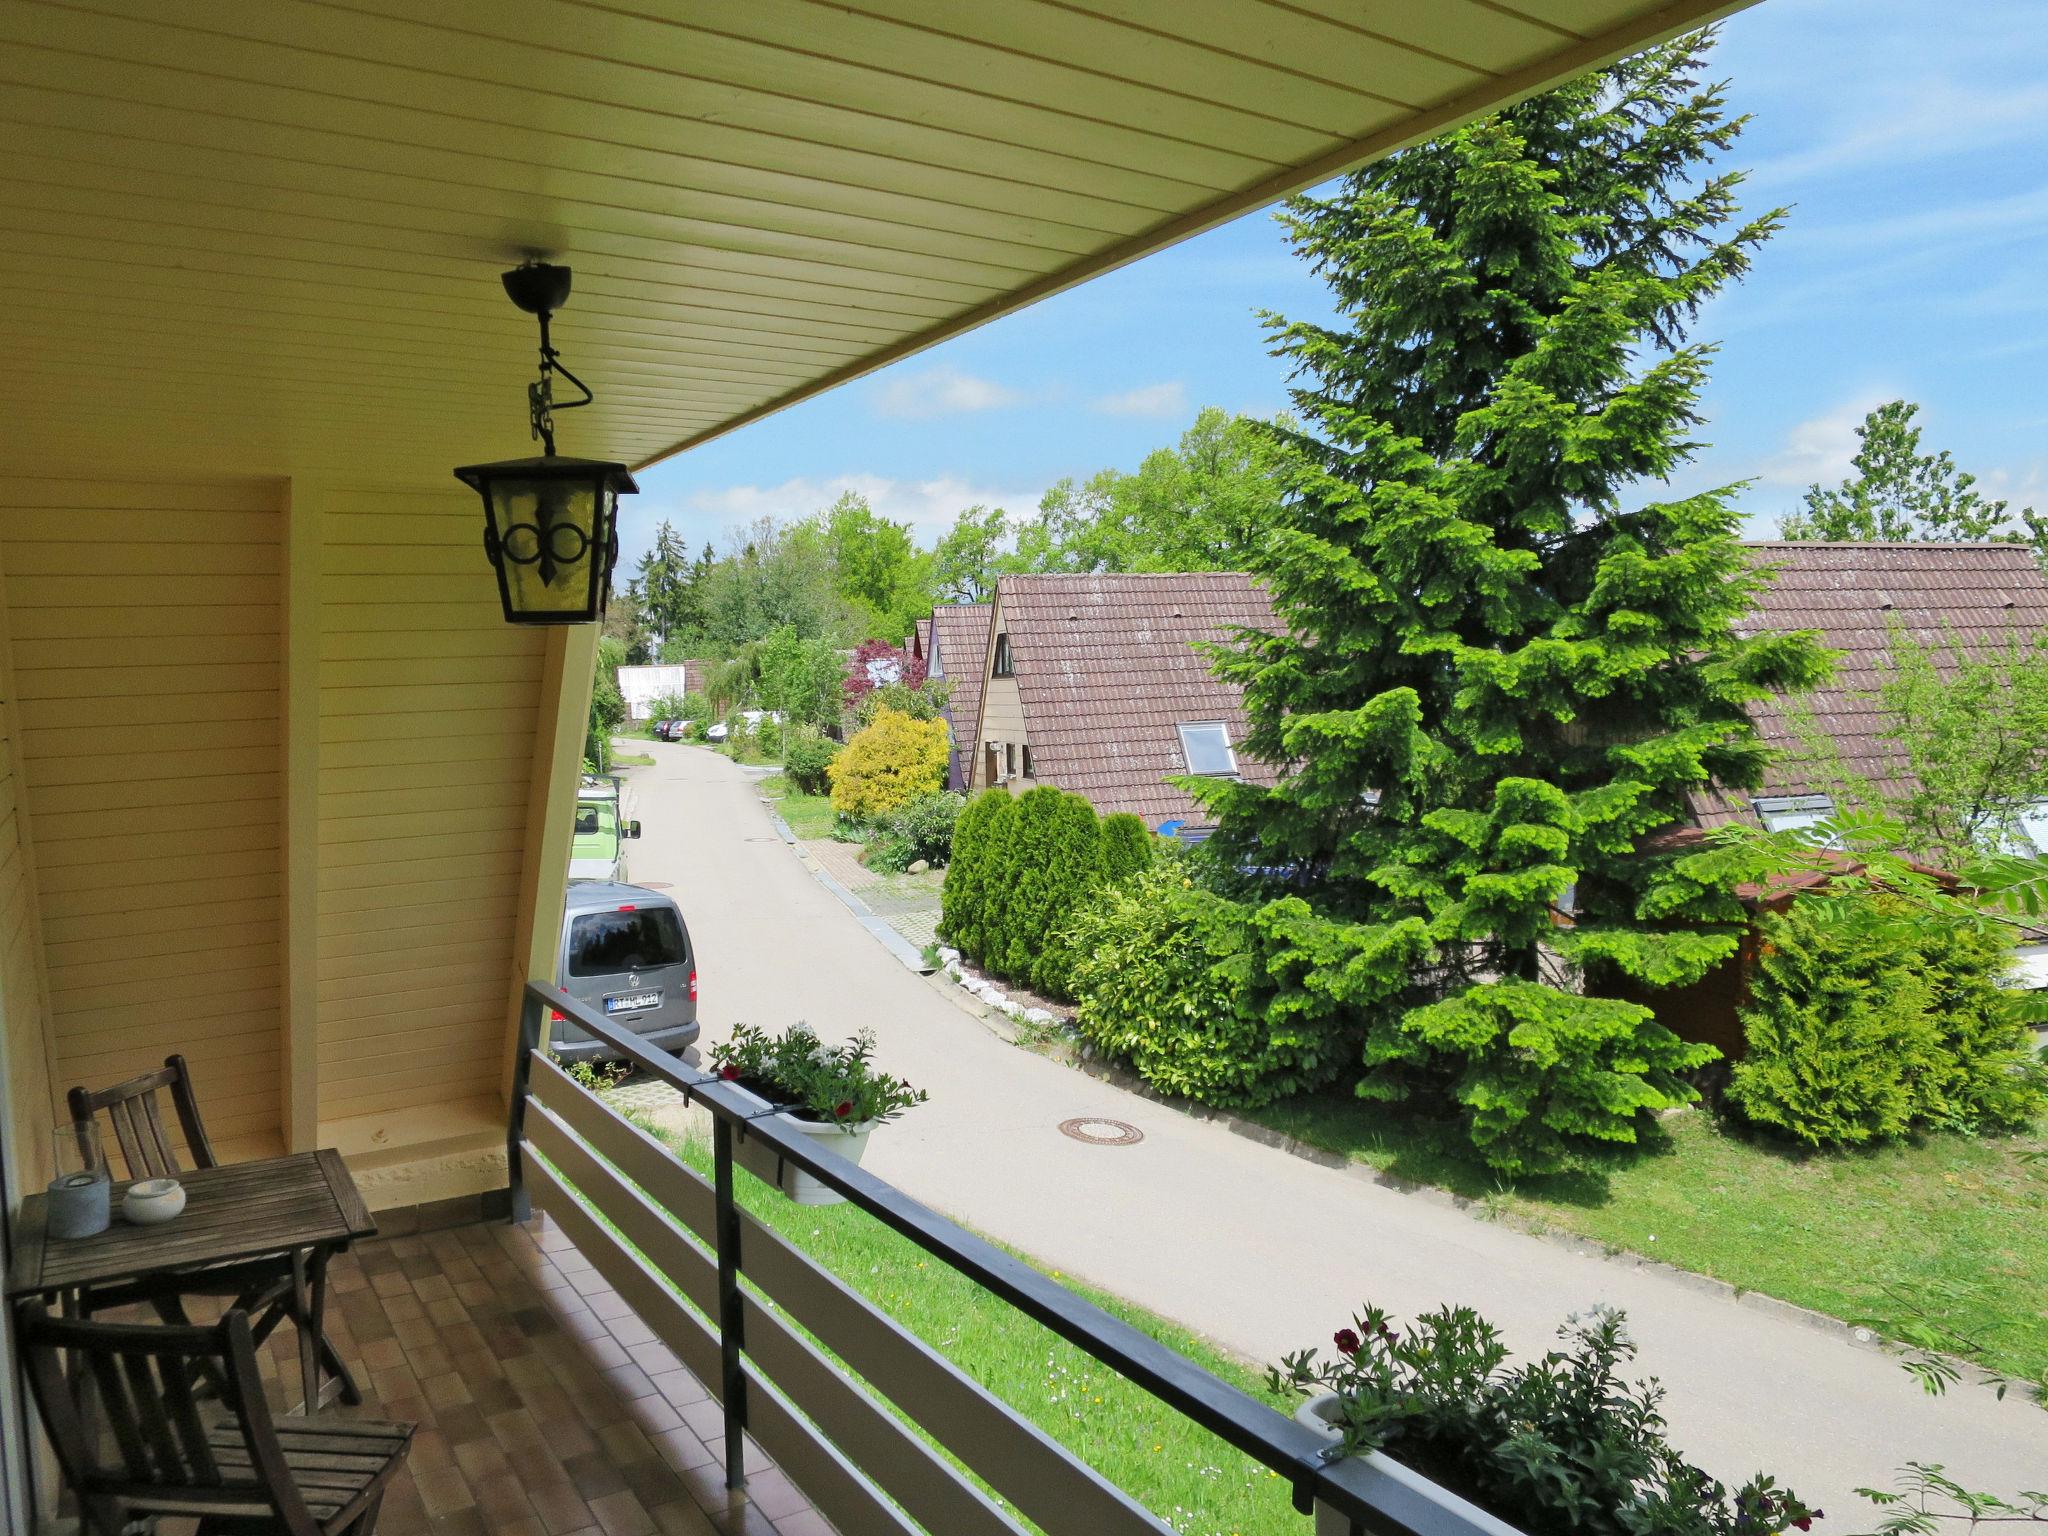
column 632, row 1002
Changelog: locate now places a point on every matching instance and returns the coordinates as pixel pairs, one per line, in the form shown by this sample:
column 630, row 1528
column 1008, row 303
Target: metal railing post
column 515, row 1118
column 730, row 1322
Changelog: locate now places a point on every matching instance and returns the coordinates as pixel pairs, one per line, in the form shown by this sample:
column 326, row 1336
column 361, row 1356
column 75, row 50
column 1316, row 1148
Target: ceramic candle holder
column 78, row 1205
column 150, row 1201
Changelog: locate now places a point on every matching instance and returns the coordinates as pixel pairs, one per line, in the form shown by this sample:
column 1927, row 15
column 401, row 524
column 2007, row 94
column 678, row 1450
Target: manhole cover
column 1102, row 1133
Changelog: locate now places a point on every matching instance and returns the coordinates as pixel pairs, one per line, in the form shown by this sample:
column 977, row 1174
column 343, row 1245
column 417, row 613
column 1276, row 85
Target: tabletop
column 239, row 1211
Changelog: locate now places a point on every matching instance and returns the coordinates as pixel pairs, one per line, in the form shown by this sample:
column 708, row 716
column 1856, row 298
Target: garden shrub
column 923, row 829
column 1016, row 904
column 691, row 706
column 1206, row 997
column 1070, row 875
column 1869, row 1018
column 1127, row 846
column 978, row 839
column 888, row 765
column 805, row 758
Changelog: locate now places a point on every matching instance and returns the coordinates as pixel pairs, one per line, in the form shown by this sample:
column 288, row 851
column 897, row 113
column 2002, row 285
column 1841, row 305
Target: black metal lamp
column 550, row 523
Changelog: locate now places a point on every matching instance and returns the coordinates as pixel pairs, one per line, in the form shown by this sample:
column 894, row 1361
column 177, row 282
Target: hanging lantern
column 551, row 522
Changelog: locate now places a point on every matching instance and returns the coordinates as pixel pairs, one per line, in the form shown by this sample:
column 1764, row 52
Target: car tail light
column 629, row 909
column 693, row 984
column 557, row 1018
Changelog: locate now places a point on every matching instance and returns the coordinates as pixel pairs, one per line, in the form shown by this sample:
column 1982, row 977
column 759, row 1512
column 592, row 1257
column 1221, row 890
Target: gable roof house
column 958, row 631
column 1855, row 595
column 1094, row 684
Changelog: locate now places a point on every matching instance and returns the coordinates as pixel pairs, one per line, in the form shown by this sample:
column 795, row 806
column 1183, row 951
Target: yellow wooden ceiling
column 263, row 236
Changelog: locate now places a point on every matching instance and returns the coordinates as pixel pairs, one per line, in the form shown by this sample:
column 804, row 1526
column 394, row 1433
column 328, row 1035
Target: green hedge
column 1869, row 1019
column 1022, row 868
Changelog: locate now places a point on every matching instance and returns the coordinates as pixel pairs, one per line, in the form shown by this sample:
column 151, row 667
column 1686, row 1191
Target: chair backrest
column 148, row 1445
column 139, row 1127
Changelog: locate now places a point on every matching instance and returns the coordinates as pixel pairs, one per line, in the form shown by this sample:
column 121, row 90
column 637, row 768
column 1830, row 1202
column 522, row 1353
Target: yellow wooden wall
column 144, row 622
column 28, row 1105
column 428, row 712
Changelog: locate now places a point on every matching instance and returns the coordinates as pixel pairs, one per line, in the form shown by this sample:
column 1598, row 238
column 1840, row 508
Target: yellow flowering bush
column 888, row 765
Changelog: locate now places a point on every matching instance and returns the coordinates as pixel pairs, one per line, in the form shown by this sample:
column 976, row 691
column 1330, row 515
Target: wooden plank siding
column 428, row 716
column 145, row 624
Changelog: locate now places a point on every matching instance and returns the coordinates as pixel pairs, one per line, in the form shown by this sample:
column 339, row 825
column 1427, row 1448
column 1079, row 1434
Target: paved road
column 1257, row 1249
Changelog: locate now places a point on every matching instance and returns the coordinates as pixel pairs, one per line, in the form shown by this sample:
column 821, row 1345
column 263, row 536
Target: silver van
column 626, row 954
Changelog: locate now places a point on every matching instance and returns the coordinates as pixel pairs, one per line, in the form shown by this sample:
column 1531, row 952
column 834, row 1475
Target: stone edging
column 1005, row 1027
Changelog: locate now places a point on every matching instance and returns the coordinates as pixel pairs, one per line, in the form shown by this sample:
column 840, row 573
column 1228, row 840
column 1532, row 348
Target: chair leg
column 366, row 1523
column 337, row 1368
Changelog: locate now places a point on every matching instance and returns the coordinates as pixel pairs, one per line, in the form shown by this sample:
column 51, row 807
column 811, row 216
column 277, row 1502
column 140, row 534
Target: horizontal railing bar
column 841, row 1492
column 1372, row 1490
column 1044, row 1480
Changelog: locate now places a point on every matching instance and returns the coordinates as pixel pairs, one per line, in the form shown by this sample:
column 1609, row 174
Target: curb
column 1856, row 1336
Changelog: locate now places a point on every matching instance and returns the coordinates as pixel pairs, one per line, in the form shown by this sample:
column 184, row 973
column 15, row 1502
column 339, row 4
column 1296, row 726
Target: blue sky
column 1910, row 139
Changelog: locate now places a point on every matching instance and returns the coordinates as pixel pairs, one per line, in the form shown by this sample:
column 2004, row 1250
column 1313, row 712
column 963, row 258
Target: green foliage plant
column 921, row 701
column 979, row 837
column 1127, row 846
column 1020, row 891
column 1897, row 493
column 806, row 757
column 1926, row 1501
column 1217, row 1000
column 1073, row 869
column 923, row 830
column 1500, row 662
column 888, row 765
column 832, row 1084
column 1563, row 1445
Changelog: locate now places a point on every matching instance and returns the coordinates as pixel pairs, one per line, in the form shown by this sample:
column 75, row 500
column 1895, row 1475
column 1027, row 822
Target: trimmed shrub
column 1016, row 904
column 805, row 758
column 1127, row 846
column 888, row 765
column 1869, row 1019
column 1073, row 871
column 979, row 837
column 1202, row 995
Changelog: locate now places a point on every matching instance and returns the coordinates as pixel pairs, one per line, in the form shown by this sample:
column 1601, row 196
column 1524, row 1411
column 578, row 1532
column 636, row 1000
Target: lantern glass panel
column 553, row 533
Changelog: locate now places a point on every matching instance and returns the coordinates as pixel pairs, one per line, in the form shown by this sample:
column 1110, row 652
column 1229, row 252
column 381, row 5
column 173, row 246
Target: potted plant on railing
column 832, row 1093
column 1561, row 1446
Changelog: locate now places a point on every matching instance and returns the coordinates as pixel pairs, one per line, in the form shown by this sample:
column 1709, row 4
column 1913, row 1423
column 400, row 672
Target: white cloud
column 1818, row 450
column 1914, row 121
column 941, row 392
column 1157, row 400
column 929, row 506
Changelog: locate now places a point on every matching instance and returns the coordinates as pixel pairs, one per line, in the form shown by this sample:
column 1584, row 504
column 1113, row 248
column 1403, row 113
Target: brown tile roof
column 1852, row 594
column 1107, row 670
column 958, row 636
column 921, row 638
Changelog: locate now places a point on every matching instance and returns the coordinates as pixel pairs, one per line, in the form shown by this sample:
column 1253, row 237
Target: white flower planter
column 767, row 1165
column 1320, row 1414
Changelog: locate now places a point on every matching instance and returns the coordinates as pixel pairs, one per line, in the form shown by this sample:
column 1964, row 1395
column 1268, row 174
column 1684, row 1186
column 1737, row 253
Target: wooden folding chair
column 263, row 1287
column 150, row 1450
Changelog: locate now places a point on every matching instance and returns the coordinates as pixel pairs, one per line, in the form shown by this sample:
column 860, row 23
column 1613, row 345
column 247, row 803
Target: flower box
column 769, row 1166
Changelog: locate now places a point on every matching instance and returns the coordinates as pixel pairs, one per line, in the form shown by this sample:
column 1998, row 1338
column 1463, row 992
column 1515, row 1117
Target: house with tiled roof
column 1856, row 595
column 955, row 640
column 921, row 639
column 1094, row 684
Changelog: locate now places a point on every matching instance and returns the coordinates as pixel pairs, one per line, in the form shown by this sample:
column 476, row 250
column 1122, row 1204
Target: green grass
column 809, row 816
column 1188, row 1477
column 1950, row 1230
column 632, row 760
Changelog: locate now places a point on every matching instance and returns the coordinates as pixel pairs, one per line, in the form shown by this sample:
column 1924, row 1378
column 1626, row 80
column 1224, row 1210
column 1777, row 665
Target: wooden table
column 304, row 1204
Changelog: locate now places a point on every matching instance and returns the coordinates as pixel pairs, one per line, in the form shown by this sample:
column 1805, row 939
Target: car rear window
column 605, row 943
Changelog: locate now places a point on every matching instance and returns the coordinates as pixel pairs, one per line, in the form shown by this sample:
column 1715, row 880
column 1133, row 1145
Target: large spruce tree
column 1503, row 657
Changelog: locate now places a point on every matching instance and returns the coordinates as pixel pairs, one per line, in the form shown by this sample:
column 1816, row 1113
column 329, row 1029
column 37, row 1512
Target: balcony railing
column 677, row 1247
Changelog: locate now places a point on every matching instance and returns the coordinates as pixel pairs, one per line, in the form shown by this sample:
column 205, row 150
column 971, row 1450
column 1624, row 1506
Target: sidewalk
column 1262, row 1251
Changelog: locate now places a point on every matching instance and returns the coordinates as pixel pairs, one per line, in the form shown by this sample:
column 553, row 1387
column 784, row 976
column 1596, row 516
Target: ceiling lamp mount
column 550, row 522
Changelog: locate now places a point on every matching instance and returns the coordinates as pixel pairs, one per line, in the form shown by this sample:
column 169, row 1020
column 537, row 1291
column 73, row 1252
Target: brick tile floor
column 545, row 1406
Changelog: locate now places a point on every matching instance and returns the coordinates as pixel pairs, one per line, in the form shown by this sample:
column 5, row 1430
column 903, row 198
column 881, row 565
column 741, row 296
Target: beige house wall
column 292, row 779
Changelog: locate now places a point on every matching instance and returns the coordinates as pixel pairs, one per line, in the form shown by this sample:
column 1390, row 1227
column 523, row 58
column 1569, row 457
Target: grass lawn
column 1188, row 1477
column 809, row 816
column 1952, row 1229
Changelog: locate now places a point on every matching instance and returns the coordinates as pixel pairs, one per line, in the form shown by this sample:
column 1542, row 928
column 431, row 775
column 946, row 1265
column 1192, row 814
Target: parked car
column 717, row 731
column 598, row 851
column 626, row 953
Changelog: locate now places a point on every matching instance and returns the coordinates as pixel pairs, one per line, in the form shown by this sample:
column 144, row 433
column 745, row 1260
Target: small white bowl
column 149, row 1201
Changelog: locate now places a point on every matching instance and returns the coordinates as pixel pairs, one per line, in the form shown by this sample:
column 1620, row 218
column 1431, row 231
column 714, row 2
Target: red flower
column 1346, row 1341
column 730, row 1074
column 845, row 1108
column 1804, row 1522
